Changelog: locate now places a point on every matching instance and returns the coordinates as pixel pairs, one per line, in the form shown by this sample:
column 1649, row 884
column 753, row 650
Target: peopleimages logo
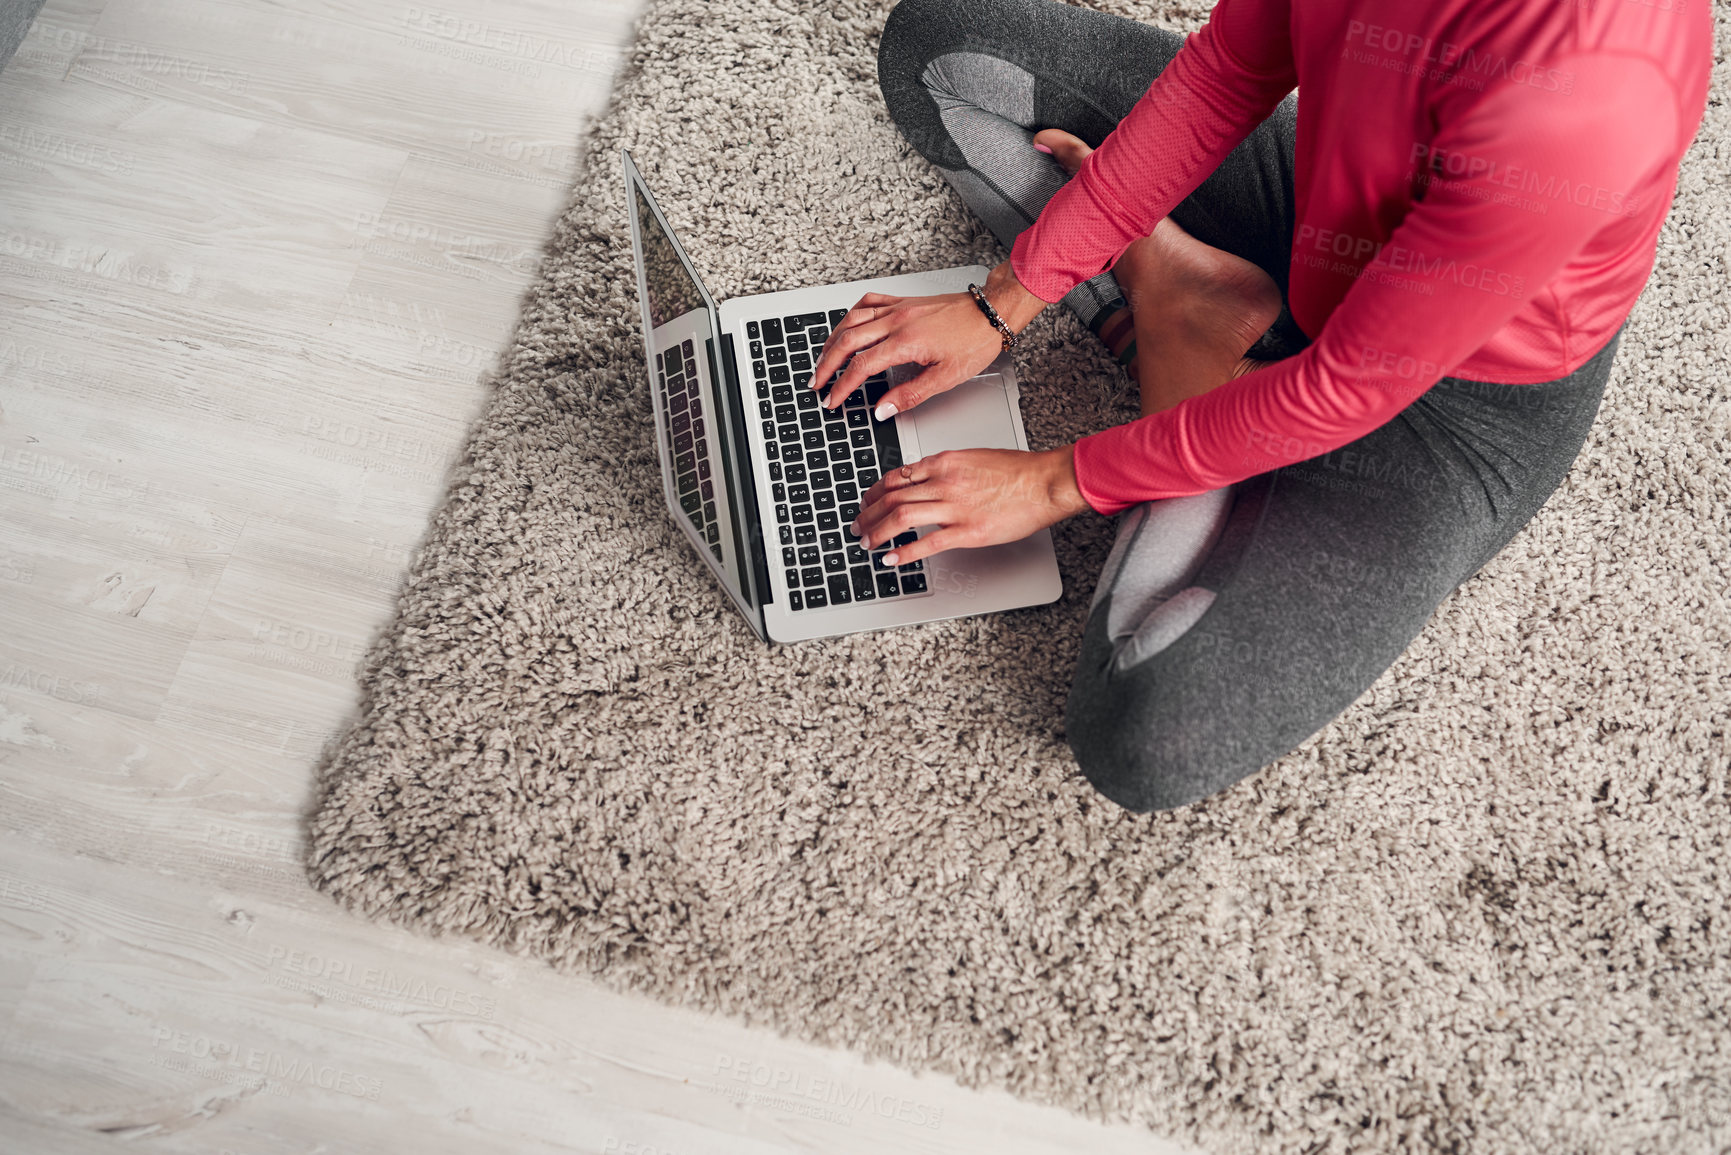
column 1434, row 163
column 1455, row 63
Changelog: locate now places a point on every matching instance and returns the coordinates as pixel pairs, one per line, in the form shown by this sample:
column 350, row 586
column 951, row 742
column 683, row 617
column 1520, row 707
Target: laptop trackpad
column 973, row 415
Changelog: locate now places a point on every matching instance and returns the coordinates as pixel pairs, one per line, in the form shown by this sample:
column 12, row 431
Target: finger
column 889, row 515
column 933, row 467
column 949, row 537
column 843, row 347
column 906, row 517
column 934, row 379
column 868, row 362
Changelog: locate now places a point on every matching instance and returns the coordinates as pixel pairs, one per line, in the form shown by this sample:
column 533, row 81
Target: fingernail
column 890, row 558
column 885, row 411
column 853, row 527
column 1038, row 147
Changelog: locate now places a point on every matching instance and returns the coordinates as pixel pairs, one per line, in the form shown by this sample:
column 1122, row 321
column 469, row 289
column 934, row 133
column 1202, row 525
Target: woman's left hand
column 977, row 497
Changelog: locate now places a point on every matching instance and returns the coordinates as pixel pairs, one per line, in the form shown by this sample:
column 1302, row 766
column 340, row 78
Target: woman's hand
column 977, row 497
column 947, row 333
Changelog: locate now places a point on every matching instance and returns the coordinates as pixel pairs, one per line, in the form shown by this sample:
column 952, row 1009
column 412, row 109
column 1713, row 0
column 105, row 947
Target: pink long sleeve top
column 1479, row 190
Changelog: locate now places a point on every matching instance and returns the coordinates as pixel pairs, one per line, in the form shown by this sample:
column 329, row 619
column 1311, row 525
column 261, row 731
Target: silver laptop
column 764, row 481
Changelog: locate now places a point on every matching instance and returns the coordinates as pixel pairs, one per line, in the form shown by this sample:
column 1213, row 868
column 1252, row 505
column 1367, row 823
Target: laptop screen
column 702, row 439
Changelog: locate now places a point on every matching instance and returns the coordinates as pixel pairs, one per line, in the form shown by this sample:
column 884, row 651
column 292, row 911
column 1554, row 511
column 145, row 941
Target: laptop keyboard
column 688, row 441
column 820, row 461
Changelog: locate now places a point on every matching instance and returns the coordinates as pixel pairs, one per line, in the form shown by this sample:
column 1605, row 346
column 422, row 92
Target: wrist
column 1063, row 491
column 1014, row 303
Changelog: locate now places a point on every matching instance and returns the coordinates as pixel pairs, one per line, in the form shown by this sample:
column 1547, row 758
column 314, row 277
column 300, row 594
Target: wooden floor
column 253, row 256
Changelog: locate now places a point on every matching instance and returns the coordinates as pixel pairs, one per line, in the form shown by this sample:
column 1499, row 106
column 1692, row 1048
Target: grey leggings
column 1228, row 627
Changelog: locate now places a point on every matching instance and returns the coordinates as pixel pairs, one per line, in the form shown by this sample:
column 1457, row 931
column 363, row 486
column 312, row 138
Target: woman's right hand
column 948, row 334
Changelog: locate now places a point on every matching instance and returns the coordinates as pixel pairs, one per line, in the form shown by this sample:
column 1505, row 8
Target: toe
column 1069, row 149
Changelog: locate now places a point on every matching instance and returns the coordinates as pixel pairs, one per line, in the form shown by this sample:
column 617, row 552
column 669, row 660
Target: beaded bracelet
column 992, row 316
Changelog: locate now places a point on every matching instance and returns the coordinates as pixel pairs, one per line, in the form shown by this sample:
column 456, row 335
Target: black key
column 889, row 446
column 794, row 600
column 887, row 587
column 819, row 477
column 756, row 350
column 687, row 483
column 783, row 393
column 763, row 388
column 778, row 375
column 866, row 459
column 777, row 492
column 813, row 439
column 814, row 600
column 837, row 432
column 685, row 348
column 765, row 409
column 858, row 556
column 801, row 380
column 707, row 489
column 712, row 534
column 878, row 560
column 680, row 423
column 798, row 493
column 801, row 513
column 776, row 355
column 860, row 438
column 691, row 368
column 906, row 537
column 857, row 418
column 784, row 413
column 703, row 468
column 843, row 471
column 786, row 535
column 701, row 447
column 709, row 511
column 811, row 576
column 691, row 503
column 696, row 424
column 774, row 470
column 835, row 316
column 831, row 541
column 800, row 362
column 751, row 328
column 796, row 343
column 772, row 331
column 792, row 577
column 846, row 492
column 834, row 563
column 771, row 450
column 864, row 588
column 809, row 555
column 787, row 432
column 807, row 398
column 811, row 419
column 757, row 369
column 795, row 473
column 849, row 511
column 867, row 479
column 839, row 592
column 682, row 443
column 781, row 513
column 790, row 450
column 804, row 534
column 827, row 520
column 804, row 320
column 789, row 558
column 817, row 337
column 912, row 567
column 838, row 451
column 914, row 583
column 823, row 498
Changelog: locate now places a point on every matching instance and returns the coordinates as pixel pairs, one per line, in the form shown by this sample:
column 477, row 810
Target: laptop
column 764, row 481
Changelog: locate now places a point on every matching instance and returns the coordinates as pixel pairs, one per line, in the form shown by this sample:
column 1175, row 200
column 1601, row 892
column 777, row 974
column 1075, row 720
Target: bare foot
column 1196, row 309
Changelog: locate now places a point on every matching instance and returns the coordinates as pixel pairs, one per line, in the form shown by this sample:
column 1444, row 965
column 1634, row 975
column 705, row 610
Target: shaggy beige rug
column 1483, row 911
